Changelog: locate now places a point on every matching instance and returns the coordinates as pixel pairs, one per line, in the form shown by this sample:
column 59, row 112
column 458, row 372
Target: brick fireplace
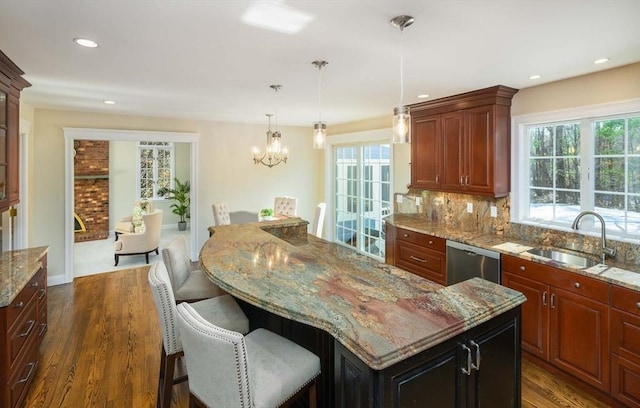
column 91, row 189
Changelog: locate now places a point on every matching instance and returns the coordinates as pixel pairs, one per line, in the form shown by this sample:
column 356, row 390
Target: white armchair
column 127, row 223
column 141, row 243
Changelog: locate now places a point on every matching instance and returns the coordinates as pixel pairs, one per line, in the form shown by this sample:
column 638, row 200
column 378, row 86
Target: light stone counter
column 16, row 269
column 380, row 313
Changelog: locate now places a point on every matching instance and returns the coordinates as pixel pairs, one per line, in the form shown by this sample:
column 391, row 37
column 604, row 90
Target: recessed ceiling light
column 423, row 96
column 534, row 77
column 601, row 61
column 107, row 102
column 276, row 16
column 85, row 42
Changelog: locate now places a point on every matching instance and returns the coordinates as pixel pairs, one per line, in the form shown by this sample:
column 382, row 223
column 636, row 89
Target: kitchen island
column 385, row 337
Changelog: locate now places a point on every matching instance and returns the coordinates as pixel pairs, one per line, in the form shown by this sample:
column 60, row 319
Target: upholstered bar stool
column 223, row 310
column 227, row 369
column 188, row 284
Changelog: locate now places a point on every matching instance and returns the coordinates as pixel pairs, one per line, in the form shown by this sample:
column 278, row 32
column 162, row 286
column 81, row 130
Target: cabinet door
column 425, row 152
column 579, row 337
column 3, row 147
column 535, row 313
column 13, row 150
column 479, row 149
column 453, row 151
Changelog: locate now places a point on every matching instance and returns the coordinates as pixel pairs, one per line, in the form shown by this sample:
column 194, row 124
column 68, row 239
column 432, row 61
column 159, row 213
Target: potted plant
column 265, row 213
column 180, row 193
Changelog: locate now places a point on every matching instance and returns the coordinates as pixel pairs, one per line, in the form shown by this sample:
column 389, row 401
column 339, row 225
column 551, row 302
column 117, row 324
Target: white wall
column 225, row 172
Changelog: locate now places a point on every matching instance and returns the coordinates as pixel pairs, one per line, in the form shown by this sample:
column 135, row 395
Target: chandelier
column 401, row 115
column 274, row 153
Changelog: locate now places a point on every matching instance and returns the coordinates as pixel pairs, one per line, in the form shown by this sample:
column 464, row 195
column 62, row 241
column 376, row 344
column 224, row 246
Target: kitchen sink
column 563, row 257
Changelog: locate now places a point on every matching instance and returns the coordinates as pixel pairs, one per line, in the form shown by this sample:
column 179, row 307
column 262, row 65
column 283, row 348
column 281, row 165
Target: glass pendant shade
column 319, row 135
column 401, row 125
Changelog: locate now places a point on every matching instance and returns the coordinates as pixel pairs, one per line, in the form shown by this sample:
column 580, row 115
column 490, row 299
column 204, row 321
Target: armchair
column 141, row 243
column 127, row 224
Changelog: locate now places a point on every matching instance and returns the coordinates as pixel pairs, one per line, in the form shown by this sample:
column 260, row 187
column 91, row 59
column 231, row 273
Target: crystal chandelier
column 401, row 115
column 274, row 153
column 319, row 127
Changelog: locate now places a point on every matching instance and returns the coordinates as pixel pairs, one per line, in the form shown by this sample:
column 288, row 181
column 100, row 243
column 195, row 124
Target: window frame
column 586, row 116
column 172, row 167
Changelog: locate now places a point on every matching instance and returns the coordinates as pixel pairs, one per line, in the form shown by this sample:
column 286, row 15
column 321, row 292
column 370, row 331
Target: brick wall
column 91, row 188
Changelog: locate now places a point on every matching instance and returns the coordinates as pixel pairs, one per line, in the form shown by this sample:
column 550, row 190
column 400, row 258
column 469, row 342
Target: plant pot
column 182, row 225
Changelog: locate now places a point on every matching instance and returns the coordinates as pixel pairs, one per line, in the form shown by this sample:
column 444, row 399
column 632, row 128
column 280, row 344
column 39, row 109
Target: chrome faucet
column 603, row 236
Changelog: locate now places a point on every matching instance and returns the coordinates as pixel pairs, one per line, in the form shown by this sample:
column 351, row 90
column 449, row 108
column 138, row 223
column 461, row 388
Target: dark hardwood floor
column 103, row 350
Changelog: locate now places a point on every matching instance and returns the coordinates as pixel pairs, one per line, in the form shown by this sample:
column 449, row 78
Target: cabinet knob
column 523, row 268
column 577, row 284
column 638, row 305
column 430, row 242
column 34, row 285
column 406, row 235
column 21, row 304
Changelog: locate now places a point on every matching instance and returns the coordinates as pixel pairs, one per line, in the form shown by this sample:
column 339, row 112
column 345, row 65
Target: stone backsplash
column 451, row 208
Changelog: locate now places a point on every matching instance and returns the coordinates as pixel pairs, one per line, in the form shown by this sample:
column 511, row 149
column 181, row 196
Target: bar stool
column 223, row 310
column 227, row 369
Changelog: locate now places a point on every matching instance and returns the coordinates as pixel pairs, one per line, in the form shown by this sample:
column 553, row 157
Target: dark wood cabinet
column 460, row 372
column 421, row 254
column 565, row 319
column 625, row 346
column 23, row 324
column 462, row 143
column 11, row 84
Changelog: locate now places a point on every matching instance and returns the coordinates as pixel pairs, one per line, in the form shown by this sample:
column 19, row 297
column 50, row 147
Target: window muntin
column 586, row 164
column 156, row 168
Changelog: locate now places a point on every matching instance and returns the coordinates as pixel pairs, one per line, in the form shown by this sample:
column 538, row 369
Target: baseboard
column 55, row 280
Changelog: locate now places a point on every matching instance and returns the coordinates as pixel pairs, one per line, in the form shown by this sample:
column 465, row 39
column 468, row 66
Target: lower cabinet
column 625, row 346
column 479, row 368
column 565, row 320
column 421, row 254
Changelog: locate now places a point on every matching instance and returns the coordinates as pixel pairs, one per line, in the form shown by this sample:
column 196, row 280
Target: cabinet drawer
column 20, row 302
column 569, row 281
column 427, row 241
column 23, row 375
column 421, row 261
column 625, row 335
column 23, row 330
column 625, row 299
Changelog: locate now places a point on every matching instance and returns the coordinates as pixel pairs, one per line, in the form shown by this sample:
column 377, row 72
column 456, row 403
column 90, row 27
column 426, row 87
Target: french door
column 362, row 195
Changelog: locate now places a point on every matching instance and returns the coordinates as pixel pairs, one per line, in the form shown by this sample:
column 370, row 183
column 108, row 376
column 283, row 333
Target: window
column 156, row 168
column 362, row 196
column 589, row 163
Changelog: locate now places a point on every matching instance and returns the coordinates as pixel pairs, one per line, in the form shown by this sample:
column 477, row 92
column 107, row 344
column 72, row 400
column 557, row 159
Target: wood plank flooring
column 102, row 349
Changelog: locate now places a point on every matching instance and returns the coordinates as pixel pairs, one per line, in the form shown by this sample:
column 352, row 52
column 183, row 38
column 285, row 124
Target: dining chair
column 318, row 220
column 223, row 310
column 189, row 284
column 261, row 369
column 285, row 206
column 221, row 213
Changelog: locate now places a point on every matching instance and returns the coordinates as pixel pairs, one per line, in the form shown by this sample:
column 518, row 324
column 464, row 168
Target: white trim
column 21, row 238
column 71, row 134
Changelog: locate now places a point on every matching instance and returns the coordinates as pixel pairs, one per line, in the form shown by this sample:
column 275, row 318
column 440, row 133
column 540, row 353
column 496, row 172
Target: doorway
column 73, row 134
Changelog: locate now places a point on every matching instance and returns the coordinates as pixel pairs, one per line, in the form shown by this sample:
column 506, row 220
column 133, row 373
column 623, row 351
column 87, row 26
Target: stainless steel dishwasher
column 466, row 262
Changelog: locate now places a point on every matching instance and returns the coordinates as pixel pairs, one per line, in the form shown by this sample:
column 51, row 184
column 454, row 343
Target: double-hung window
column 584, row 163
column 156, row 165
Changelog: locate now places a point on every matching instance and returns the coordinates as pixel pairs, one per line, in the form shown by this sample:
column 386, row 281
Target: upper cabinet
column 11, row 83
column 461, row 143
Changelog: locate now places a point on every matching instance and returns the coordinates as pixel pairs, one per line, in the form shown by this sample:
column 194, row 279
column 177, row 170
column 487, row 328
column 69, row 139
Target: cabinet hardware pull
column 25, row 379
column 25, row 334
column 544, row 298
column 462, row 180
column 42, row 293
column 43, row 326
column 21, row 304
column 476, row 366
column 553, row 298
column 522, row 268
column 467, row 180
column 437, row 178
column 415, row 258
column 577, row 284
column 467, row 370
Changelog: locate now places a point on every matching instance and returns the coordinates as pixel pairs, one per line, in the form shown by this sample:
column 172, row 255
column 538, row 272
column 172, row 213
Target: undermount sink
column 563, row 257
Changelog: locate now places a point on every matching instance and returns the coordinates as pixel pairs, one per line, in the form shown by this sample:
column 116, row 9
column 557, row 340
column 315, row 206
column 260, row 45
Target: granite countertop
column 380, row 313
column 16, row 269
column 616, row 273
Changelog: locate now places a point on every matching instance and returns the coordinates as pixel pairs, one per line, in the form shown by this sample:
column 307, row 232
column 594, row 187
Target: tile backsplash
column 451, row 208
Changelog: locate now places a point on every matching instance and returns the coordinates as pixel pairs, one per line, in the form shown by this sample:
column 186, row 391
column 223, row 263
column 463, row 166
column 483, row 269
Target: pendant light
column 401, row 115
column 319, row 127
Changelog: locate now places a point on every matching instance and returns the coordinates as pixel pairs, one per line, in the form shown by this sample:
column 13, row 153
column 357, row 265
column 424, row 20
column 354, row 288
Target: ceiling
column 200, row 60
